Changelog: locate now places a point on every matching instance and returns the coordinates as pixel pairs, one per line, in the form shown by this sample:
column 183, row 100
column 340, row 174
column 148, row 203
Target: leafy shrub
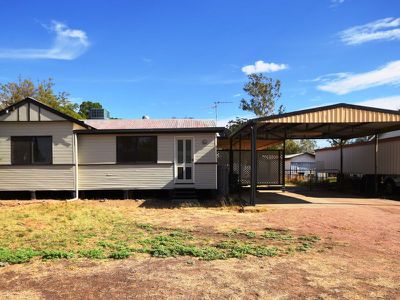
column 17, row 256
column 145, row 226
column 309, row 238
column 56, row 254
column 120, row 254
column 105, row 244
column 277, row 235
column 250, row 234
column 92, row 253
column 303, row 247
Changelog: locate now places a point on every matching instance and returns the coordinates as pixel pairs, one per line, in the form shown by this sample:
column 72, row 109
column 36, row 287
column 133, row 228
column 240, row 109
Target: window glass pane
column 126, row 148
column 42, row 150
column 146, row 150
column 21, row 150
column 137, row 149
column 188, row 151
column 180, row 172
column 188, row 172
column 180, row 151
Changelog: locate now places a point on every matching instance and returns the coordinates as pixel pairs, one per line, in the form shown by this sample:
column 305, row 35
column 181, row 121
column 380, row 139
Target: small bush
column 92, row 253
column 17, row 256
column 56, row 254
column 276, row 235
column 304, row 247
column 250, row 234
column 309, row 238
column 120, row 254
column 145, row 226
column 105, row 244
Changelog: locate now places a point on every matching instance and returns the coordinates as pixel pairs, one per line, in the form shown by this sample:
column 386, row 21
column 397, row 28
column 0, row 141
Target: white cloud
column 383, row 29
column 68, row 44
column 263, row 67
column 335, row 3
column 392, row 102
column 237, row 95
column 147, row 60
column 345, row 83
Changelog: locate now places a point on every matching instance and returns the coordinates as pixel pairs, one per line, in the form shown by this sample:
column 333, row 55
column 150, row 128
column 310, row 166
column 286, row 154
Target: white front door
column 184, row 160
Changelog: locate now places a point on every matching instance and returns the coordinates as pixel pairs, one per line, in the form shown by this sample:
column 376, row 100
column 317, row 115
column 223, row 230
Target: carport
column 340, row 121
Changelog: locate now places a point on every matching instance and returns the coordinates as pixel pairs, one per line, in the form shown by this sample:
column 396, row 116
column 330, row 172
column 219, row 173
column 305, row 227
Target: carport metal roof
column 342, row 121
column 339, row 121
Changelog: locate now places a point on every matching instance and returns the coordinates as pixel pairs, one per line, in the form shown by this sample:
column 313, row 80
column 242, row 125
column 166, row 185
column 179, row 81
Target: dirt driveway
column 361, row 258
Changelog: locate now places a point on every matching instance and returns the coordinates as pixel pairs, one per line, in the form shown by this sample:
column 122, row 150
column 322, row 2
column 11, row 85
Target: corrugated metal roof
column 150, row 123
column 288, row 156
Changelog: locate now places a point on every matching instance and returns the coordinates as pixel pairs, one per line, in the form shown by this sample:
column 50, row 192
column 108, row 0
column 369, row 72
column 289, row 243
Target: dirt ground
column 361, row 259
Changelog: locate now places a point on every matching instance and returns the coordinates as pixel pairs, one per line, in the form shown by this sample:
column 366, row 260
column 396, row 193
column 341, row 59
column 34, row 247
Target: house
column 299, row 163
column 42, row 149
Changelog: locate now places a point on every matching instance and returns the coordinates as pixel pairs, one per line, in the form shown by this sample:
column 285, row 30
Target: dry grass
column 98, row 230
column 356, row 258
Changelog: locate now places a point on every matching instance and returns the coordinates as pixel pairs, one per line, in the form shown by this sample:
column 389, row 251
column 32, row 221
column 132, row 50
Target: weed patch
column 92, row 253
column 84, row 230
column 17, row 256
column 56, row 254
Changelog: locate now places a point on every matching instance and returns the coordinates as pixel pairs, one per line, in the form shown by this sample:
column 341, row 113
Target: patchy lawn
column 119, row 249
column 100, row 231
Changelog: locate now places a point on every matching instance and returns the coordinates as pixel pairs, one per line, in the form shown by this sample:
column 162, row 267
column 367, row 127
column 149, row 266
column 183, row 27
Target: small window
column 31, row 150
column 136, row 149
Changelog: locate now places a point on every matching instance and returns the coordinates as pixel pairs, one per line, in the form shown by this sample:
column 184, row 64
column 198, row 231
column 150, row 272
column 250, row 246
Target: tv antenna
column 215, row 107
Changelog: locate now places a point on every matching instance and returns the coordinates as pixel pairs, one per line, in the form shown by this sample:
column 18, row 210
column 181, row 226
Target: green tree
column 300, row 146
column 235, row 124
column 264, row 92
column 338, row 142
column 291, row 147
column 85, row 107
column 13, row 92
column 307, row 145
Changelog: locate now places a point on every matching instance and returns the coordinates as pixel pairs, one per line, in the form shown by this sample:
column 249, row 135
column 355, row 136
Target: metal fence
column 270, row 166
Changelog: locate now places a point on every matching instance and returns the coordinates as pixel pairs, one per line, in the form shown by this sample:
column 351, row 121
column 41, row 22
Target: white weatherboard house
column 299, row 162
column 42, row 149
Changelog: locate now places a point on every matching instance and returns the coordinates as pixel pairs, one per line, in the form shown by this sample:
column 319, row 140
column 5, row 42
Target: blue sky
column 174, row 58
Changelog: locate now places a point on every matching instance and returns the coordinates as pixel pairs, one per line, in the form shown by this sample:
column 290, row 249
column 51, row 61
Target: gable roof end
column 44, row 106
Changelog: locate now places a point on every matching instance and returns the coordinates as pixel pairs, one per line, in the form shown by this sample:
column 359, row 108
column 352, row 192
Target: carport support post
column 230, row 165
column 283, row 164
column 341, row 166
column 253, row 186
column 240, row 168
column 376, row 165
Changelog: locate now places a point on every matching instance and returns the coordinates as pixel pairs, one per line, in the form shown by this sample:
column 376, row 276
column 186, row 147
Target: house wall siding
column 100, row 150
column 58, row 176
column 300, row 158
column 104, row 177
column 206, row 176
column 36, row 178
column 61, row 131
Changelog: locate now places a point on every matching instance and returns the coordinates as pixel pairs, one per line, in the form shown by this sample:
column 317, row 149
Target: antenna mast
column 215, row 106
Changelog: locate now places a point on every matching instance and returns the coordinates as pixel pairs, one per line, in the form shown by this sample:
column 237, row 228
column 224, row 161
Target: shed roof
column 289, row 156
